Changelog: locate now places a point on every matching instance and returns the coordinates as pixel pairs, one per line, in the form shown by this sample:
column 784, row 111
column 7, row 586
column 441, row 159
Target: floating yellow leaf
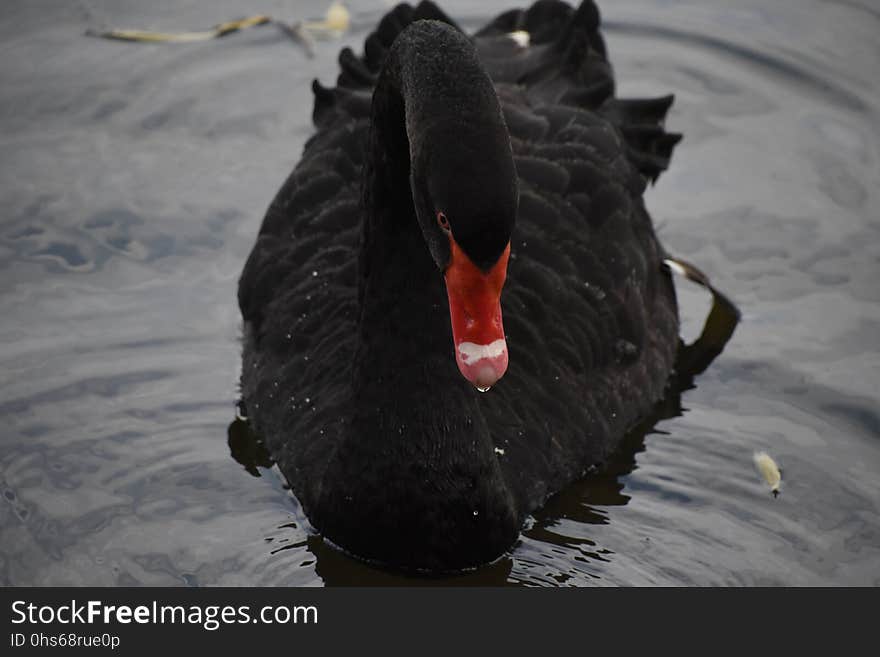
column 145, row 36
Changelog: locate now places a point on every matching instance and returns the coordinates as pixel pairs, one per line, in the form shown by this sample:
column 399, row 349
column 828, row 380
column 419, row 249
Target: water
column 134, row 180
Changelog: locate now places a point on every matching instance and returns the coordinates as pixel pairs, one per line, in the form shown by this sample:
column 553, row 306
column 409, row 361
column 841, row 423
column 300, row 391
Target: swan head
column 466, row 198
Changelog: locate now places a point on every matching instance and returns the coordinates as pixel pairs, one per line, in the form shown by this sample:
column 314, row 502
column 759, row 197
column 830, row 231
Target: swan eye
column 443, row 222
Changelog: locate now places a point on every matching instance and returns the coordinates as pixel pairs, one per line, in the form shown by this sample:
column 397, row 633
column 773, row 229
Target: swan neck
column 432, row 97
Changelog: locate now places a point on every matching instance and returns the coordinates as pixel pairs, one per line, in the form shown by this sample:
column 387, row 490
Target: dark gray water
column 134, row 178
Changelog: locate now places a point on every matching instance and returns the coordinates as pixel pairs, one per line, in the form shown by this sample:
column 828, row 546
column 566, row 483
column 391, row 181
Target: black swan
column 450, row 178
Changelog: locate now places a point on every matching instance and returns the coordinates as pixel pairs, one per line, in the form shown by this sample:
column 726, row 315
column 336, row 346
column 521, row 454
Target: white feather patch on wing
column 522, row 38
column 674, row 266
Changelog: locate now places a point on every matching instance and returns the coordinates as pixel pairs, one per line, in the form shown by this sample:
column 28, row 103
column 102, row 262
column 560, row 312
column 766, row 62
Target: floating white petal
column 769, row 470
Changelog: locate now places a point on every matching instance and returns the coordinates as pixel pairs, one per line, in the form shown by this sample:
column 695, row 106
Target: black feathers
column 389, row 449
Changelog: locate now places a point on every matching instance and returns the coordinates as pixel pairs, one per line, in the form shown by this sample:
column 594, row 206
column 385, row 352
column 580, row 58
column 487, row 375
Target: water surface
column 134, row 180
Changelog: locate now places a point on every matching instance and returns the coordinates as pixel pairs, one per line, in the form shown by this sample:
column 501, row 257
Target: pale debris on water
column 336, row 20
column 147, row 36
column 769, row 470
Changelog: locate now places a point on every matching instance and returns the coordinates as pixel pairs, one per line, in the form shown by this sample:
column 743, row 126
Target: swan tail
column 357, row 75
column 562, row 59
column 561, row 56
column 641, row 122
column 547, row 22
column 362, row 72
column 393, row 23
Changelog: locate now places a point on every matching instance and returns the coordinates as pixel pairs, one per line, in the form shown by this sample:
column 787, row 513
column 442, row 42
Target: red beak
column 475, row 311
